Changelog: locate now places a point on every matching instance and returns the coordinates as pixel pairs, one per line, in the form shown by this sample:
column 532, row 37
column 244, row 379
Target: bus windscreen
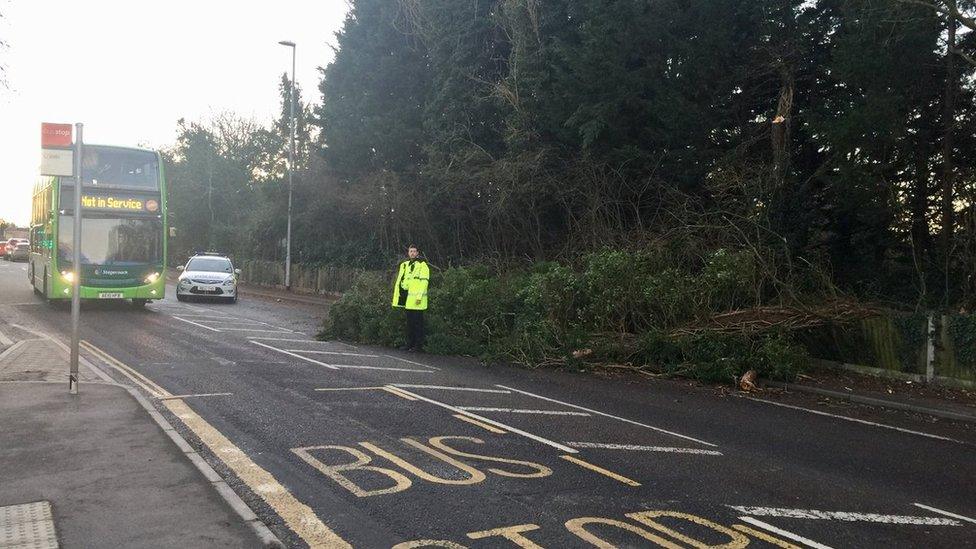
column 113, row 241
column 108, row 167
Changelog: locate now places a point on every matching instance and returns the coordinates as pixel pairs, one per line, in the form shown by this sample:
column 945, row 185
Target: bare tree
column 3, row 67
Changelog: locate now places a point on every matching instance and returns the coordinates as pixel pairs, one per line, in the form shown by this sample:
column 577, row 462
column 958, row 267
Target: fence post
column 930, row 350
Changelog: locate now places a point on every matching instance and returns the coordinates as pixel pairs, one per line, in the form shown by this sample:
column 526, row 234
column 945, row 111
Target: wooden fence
column 931, row 347
column 323, row 279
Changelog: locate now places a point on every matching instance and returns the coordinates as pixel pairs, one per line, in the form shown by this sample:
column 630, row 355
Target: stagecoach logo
column 108, row 272
column 152, row 205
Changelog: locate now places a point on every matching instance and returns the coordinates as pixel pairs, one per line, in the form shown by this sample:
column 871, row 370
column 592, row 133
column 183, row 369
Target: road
column 333, row 444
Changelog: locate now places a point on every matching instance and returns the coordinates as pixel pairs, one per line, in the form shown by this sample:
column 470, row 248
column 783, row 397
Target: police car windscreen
column 210, row 265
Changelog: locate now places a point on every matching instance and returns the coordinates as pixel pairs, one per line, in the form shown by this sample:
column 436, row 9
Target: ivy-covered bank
column 612, row 308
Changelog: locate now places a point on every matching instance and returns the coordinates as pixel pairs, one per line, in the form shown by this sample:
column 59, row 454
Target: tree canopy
column 834, row 134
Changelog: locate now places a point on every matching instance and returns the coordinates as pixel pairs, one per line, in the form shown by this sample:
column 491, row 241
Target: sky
column 128, row 70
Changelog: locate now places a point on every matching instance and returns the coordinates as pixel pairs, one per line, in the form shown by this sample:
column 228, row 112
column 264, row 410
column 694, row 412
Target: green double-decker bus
column 123, row 228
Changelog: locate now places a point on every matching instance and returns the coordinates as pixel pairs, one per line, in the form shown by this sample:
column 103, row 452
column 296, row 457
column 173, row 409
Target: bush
column 715, row 357
column 540, row 316
column 782, row 358
column 464, row 315
column 466, row 311
column 364, row 314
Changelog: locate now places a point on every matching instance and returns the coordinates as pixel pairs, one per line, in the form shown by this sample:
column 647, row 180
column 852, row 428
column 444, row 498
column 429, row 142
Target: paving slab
column 114, row 479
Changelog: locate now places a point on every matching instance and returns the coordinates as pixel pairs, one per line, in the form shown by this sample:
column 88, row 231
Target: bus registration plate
column 109, row 295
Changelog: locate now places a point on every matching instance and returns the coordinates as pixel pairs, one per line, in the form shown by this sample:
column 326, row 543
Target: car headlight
column 229, row 282
column 153, row 277
column 68, row 276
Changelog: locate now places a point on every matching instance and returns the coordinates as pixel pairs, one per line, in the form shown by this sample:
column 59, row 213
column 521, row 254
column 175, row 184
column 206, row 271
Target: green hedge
column 617, row 305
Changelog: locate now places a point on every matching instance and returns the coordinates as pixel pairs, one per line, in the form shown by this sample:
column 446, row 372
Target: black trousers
column 415, row 329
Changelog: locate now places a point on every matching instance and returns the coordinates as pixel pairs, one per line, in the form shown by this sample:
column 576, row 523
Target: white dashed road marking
column 618, row 418
column 315, row 352
column 305, row 358
column 196, row 395
column 230, row 321
column 276, row 331
column 411, row 362
column 483, row 419
column 784, row 533
column 265, row 338
column 445, row 388
column 196, row 324
column 212, row 318
column 844, row 516
column 855, row 420
column 520, row 411
column 360, row 367
column 946, row 513
column 637, row 448
column 373, row 388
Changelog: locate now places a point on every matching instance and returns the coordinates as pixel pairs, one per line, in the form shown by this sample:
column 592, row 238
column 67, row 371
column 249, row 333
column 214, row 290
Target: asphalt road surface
column 334, row 444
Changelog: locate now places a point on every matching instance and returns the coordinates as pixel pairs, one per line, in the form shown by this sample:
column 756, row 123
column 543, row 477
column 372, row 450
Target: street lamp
column 291, row 159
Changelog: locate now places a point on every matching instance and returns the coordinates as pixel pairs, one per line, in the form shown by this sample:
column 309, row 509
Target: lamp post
column 291, row 159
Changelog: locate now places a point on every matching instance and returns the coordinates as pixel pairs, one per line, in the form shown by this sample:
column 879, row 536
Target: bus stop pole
column 76, row 266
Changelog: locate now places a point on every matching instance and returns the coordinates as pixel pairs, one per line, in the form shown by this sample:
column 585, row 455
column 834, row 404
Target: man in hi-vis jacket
column 410, row 293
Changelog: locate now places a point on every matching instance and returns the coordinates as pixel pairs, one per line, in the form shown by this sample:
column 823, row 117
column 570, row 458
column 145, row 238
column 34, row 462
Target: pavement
column 280, row 294
column 332, row 444
column 907, row 402
column 100, row 463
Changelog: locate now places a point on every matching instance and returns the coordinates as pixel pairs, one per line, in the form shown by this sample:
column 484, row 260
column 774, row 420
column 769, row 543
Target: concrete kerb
column 268, row 292
column 247, row 515
column 267, row 537
column 893, row 374
column 859, row 399
column 10, row 350
column 308, row 299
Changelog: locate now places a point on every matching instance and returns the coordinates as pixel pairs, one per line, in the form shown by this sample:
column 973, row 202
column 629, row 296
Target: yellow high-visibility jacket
column 411, row 285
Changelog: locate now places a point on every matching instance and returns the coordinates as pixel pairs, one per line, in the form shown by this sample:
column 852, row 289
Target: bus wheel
column 139, row 303
column 33, row 281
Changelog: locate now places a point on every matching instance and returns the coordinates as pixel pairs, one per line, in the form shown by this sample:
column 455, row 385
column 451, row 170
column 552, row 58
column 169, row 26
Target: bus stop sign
column 57, row 156
column 55, row 135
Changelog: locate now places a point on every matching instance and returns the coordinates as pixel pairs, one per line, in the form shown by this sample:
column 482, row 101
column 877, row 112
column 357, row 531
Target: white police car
column 208, row 275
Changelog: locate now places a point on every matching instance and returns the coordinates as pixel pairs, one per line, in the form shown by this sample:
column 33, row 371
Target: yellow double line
column 298, row 516
column 136, row 377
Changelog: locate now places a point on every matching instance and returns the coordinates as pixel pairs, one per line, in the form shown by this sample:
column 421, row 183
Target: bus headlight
column 153, row 277
column 68, row 276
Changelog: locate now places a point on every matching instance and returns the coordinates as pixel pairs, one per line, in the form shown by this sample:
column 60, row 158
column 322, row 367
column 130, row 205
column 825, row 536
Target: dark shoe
column 405, row 348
